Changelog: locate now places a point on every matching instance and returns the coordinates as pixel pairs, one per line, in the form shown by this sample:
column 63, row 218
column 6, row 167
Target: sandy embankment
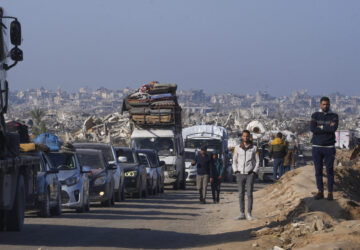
column 287, row 216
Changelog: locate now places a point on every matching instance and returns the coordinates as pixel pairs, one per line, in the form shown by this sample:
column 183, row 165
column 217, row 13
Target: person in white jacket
column 245, row 166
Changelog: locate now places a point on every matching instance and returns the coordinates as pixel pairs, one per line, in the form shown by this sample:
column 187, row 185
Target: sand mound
column 297, row 220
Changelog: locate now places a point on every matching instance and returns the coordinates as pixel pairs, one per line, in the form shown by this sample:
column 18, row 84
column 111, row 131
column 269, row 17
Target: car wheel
column 145, row 192
column 15, row 219
column 176, row 184
column 87, row 204
column 123, row 193
column 140, row 190
column 83, row 207
column 45, row 206
column 108, row 202
column 183, row 182
column 56, row 211
column 2, row 215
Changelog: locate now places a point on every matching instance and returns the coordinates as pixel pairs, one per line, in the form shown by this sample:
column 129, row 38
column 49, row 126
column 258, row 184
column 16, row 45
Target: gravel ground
column 171, row 220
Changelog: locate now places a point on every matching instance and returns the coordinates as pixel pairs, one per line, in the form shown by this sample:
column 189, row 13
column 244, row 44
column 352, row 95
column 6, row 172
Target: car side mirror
column 86, row 169
column 15, row 33
column 112, row 166
column 162, row 163
column 52, row 171
column 122, row 159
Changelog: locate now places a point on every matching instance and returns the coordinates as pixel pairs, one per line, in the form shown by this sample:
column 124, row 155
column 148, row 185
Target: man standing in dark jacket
column 216, row 175
column 323, row 125
column 202, row 162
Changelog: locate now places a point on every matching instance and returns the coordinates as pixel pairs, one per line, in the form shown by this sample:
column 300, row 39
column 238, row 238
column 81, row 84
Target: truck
column 18, row 173
column 156, row 124
column 211, row 136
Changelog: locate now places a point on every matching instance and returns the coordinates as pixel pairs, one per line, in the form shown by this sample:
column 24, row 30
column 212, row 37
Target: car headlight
column 100, row 181
column 130, row 174
column 72, row 180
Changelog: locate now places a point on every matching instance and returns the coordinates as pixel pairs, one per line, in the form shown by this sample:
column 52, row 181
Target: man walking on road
column 216, row 176
column 203, row 171
column 245, row 166
column 323, row 125
column 278, row 150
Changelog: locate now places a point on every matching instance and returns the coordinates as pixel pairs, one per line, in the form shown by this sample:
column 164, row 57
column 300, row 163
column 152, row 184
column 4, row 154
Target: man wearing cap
column 245, row 166
column 202, row 161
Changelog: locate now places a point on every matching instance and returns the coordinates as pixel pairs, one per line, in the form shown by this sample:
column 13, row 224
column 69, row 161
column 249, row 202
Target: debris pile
column 296, row 220
column 114, row 128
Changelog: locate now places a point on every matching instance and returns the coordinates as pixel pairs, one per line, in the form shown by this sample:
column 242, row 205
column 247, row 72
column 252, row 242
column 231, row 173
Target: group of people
column 209, row 168
column 245, row 165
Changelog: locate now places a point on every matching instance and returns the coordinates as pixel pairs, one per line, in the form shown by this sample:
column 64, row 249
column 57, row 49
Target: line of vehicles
column 77, row 174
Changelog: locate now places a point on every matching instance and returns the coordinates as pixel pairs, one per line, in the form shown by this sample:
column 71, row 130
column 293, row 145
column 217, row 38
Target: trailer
column 18, row 173
column 18, row 190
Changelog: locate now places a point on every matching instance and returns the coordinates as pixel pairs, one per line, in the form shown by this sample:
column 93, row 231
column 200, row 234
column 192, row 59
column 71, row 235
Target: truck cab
column 168, row 144
column 214, row 137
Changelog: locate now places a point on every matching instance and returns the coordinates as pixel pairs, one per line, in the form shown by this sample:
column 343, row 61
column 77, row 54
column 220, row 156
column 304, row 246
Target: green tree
column 39, row 125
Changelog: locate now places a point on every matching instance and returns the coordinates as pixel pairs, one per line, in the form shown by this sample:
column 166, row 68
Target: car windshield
column 106, row 150
column 198, row 143
column 152, row 158
column 125, row 153
column 63, row 161
column 91, row 160
column 143, row 159
column 189, row 156
column 164, row 146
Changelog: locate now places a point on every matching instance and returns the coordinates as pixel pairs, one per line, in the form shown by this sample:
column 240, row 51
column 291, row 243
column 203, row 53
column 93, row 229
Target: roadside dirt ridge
column 287, row 217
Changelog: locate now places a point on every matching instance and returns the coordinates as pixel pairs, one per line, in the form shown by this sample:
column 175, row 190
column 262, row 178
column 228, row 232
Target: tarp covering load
column 50, row 140
column 256, row 128
column 203, row 131
column 154, row 104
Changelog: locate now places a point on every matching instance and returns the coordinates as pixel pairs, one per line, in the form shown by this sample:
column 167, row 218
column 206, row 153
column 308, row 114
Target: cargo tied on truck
column 156, row 124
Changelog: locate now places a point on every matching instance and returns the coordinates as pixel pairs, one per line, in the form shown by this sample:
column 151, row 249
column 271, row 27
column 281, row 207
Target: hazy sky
column 219, row 46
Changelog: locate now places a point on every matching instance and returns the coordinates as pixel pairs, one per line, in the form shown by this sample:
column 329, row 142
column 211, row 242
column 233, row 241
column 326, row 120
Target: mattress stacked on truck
column 154, row 104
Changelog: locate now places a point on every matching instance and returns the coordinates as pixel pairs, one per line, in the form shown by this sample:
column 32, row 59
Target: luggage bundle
column 154, row 104
column 50, row 140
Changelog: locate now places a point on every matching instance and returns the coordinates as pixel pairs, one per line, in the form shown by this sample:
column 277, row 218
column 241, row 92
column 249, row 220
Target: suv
column 135, row 172
column 110, row 156
column 157, row 165
column 152, row 175
column 48, row 187
column 101, row 177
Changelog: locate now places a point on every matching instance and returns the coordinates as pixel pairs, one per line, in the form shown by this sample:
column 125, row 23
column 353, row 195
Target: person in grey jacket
column 245, row 166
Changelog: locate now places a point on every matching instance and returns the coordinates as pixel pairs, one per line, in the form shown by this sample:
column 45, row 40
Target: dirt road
column 175, row 219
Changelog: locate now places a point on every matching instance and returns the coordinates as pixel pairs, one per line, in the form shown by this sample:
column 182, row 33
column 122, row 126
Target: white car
column 74, row 180
column 190, row 170
column 152, row 176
